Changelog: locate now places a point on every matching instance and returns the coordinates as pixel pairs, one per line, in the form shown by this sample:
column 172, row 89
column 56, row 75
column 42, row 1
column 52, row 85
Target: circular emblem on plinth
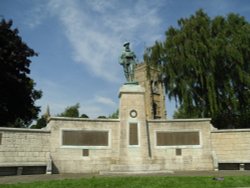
column 133, row 113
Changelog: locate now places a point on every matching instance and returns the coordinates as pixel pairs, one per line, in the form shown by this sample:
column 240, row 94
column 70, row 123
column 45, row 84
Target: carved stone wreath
column 133, row 113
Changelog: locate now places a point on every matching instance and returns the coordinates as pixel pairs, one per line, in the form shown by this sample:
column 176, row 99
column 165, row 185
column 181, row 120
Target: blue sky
column 79, row 43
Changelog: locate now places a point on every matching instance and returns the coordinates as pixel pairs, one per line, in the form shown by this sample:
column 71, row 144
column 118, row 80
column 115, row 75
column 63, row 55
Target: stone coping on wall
column 178, row 120
column 24, row 130
column 230, row 130
column 82, row 119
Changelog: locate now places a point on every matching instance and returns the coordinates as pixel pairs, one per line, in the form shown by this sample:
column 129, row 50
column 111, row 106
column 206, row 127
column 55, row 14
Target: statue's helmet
column 126, row 44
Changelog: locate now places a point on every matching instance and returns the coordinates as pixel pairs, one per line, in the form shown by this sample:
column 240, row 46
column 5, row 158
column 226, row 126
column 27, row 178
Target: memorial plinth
column 133, row 137
column 132, row 99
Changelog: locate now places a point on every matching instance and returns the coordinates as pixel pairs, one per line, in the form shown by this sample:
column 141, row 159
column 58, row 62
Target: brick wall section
column 24, row 146
column 231, row 146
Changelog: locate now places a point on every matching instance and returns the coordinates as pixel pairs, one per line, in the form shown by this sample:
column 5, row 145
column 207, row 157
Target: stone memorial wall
column 23, row 151
column 130, row 144
column 181, row 144
column 82, row 145
column 231, row 148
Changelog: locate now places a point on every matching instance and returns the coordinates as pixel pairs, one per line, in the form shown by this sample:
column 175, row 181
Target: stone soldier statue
column 127, row 60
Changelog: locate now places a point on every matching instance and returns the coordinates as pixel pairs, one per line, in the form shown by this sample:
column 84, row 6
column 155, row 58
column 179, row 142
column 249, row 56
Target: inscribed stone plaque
column 133, row 134
column 178, row 152
column 177, row 138
column 85, row 138
column 85, row 152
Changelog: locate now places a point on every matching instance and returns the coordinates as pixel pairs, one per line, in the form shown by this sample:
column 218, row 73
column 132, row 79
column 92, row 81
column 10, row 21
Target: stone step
column 148, row 172
column 135, row 167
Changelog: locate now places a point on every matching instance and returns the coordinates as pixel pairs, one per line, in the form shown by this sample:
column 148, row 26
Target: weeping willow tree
column 205, row 65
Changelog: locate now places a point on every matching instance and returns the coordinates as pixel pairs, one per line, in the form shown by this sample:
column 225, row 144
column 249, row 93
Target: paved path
column 34, row 178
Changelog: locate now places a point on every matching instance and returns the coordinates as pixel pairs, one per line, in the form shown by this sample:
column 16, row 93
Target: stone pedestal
column 133, row 134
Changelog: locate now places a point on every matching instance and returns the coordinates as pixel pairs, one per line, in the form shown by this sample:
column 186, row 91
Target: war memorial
column 142, row 140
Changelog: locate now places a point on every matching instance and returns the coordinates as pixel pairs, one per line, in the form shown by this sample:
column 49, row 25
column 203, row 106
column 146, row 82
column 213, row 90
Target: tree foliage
column 42, row 121
column 84, row 116
column 71, row 111
column 205, row 64
column 17, row 96
column 114, row 115
column 101, row 117
column 181, row 113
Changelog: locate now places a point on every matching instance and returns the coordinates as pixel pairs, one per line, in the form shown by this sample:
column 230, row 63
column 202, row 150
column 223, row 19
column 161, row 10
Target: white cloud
column 105, row 101
column 36, row 16
column 97, row 29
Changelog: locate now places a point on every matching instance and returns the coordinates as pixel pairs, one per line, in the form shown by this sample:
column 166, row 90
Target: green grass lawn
column 155, row 181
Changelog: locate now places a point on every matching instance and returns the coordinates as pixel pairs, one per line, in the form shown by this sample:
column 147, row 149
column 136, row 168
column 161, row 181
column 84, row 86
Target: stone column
column 132, row 113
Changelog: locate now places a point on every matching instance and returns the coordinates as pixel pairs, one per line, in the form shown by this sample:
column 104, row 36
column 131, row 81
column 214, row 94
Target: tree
column 101, row 117
column 115, row 115
column 17, row 96
column 182, row 114
column 71, row 111
column 205, row 64
column 42, row 121
column 84, row 116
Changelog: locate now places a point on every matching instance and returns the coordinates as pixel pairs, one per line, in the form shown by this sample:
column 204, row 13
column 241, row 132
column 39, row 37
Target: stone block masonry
column 22, row 148
column 231, row 147
column 185, row 152
column 131, row 144
column 84, row 156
